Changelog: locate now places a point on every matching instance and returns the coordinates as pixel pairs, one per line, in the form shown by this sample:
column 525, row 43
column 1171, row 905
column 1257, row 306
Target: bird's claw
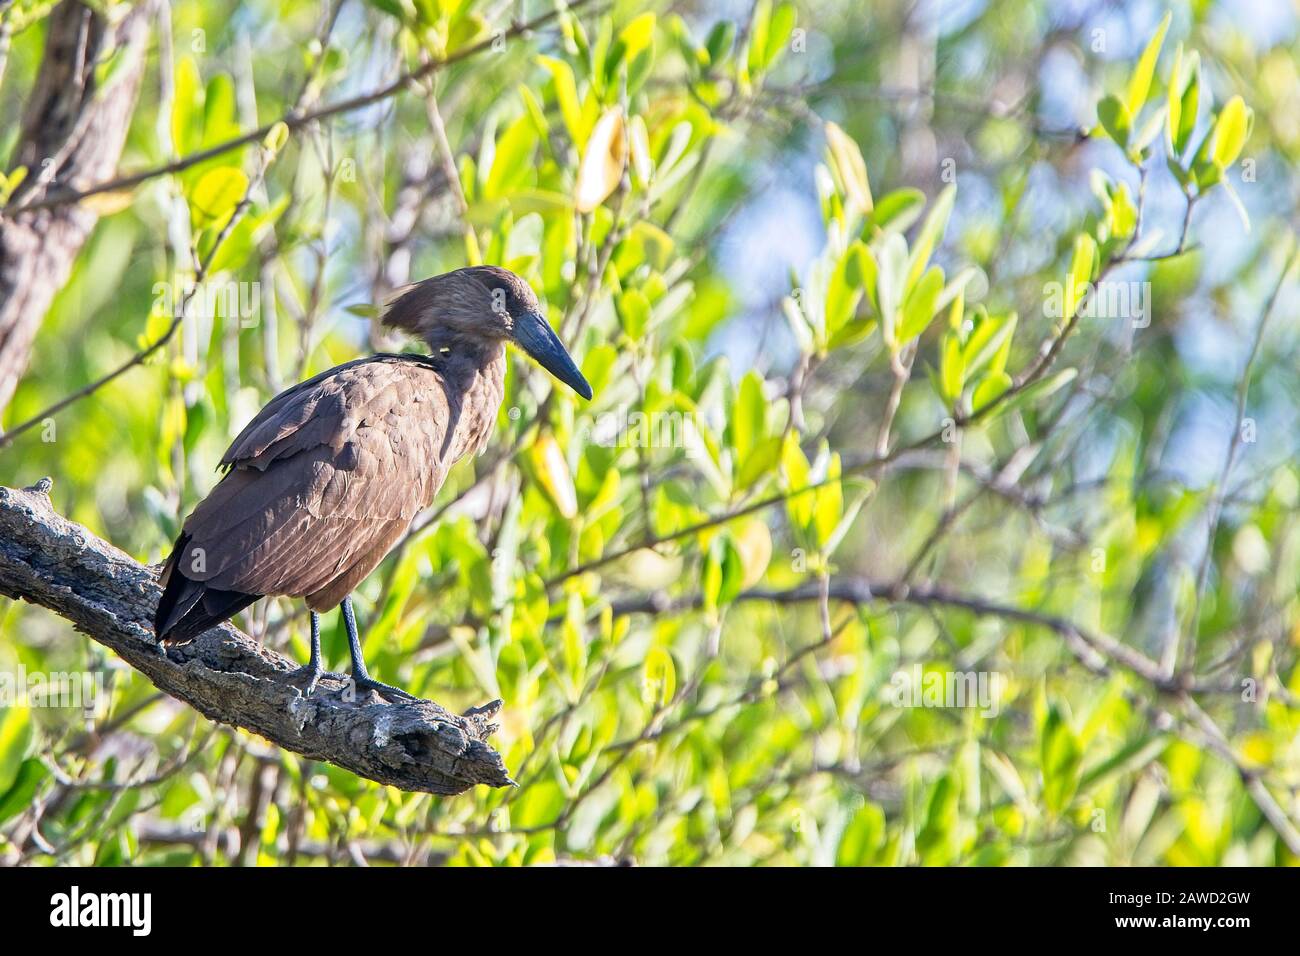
column 307, row 677
column 385, row 691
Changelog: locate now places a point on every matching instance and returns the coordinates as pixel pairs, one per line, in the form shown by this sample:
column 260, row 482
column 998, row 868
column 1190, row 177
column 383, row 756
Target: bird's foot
column 307, row 677
column 359, row 684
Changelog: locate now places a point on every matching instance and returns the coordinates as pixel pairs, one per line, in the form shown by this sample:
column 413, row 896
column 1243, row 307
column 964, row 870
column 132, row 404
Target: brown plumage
column 322, row 483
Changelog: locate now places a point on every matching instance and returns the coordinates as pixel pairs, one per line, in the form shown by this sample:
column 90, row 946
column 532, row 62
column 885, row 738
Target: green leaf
column 634, row 47
column 275, row 138
column 863, row 838
column 391, row 7
column 512, row 163
column 986, row 339
column 216, row 195
column 1139, row 84
column 797, row 471
column 598, row 366
column 219, row 123
column 1145, row 135
column 844, row 291
column 15, row 739
column 1059, row 758
column 1206, row 173
column 566, row 97
column 922, row 305
column 760, row 461
column 799, row 325
column 891, row 278
column 603, row 161
column 242, row 239
column 187, row 101
column 721, row 39
column 759, row 28
column 574, row 642
column 19, row 795
column 723, row 573
column 1174, row 97
column 637, row 35
column 638, row 142
column 1082, row 262
column 1002, row 352
column 828, row 502
column 931, row 234
column 936, row 842
column 539, row 804
column 1188, row 105
column 634, row 313
column 660, row 674
column 778, row 32
column 989, row 390
column 1043, row 388
column 897, row 210
column 952, row 369
column 749, row 418
column 552, row 472
column 861, row 270
column 955, row 289
column 1123, row 213
column 1230, row 131
column 536, row 114
column 1115, row 119
column 849, row 168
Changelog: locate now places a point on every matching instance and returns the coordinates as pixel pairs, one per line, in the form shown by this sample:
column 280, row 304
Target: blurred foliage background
column 852, row 426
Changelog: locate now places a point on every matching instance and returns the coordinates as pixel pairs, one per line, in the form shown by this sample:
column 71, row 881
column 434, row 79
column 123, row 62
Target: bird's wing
column 325, row 478
column 310, row 413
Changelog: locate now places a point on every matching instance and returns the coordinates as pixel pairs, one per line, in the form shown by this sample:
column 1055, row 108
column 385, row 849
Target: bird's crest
column 479, row 300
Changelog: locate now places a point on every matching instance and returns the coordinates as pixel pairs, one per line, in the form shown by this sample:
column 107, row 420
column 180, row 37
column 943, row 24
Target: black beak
column 534, row 335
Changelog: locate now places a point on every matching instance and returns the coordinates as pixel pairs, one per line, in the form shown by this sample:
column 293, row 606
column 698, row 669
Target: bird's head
column 483, row 305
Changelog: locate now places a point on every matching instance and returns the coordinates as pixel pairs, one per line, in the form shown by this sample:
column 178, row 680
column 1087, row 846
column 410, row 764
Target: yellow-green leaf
column 566, row 97
column 1139, row 84
column 216, row 194
column 931, row 234
column 849, row 167
column 921, row 305
column 660, row 680
column 602, row 162
column 553, row 474
column 1230, row 132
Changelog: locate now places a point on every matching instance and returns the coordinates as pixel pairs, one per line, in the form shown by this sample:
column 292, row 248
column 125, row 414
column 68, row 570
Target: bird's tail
column 187, row 607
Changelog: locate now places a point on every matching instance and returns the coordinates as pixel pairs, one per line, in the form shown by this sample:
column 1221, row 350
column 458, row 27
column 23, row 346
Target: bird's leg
column 361, row 678
column 310, row 674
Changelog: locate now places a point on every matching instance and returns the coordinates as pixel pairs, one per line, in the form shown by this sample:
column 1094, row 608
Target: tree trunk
column 72, row 135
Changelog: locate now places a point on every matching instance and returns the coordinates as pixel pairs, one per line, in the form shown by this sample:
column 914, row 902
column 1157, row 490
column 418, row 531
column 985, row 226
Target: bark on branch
column 224, row 674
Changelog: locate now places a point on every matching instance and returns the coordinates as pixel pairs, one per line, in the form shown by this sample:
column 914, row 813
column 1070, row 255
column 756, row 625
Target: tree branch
column 294, row 120
column 1095, row 650
column 224, row 674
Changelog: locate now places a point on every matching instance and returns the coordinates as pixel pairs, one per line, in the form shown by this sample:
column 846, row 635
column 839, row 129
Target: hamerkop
column 326, row 479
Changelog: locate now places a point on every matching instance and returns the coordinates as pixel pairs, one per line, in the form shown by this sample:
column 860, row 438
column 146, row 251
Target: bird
column 327, row 478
